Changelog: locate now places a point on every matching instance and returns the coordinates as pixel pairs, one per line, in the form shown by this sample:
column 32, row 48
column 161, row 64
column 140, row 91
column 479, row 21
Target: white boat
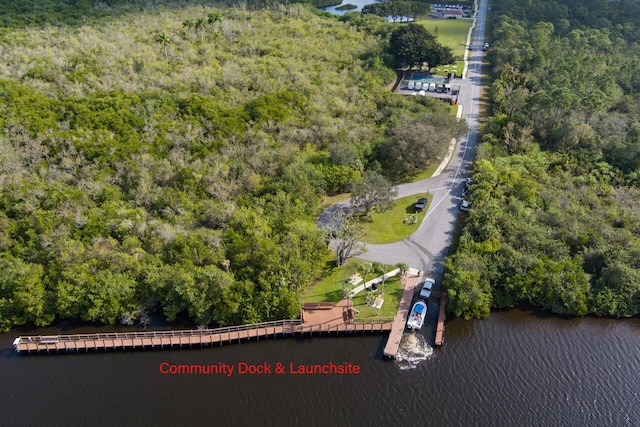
column 417, row 315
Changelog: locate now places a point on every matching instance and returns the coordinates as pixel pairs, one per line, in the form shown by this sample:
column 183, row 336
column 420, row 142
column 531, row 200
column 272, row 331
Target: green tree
column 413, row 44
column 372, row 192
column 165, row 41
column 199, row 26
column 403, row 267
column 366, row 268
column 188, row 25
column 468, row 290
column 344, row 234
column 214, row 17
column 381, row 269
column 23, row 295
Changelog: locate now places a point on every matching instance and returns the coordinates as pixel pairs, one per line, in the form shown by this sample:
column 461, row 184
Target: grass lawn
column 427, row 172
column 443, row 70
column 450, row 32
column 389, row 226
column 392, row 295
column 330, row 289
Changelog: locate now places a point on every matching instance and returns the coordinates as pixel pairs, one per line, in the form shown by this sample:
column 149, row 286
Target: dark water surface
column 517, row 368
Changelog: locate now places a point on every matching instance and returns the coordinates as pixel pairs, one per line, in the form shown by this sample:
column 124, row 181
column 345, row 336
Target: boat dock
column 320, row 319
column 315, row 318
column 441, row 316
column 397, row 329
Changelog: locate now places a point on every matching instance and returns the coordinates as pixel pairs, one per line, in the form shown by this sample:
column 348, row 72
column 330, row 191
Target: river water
column 518, row 368
column 359, row 3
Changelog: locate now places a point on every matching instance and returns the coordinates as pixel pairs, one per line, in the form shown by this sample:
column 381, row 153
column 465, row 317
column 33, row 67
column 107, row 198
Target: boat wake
column 413, row 349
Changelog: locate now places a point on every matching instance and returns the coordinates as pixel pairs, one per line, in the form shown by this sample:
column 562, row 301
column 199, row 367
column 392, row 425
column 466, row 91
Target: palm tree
column 379, row 267
column 366, row 267
column 214, row 17
column 199, row 25
column 164, row 41
column 403, row 267
column 188, row 24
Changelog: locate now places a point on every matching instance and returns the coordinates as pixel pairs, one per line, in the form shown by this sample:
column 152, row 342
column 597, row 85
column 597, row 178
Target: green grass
column 392, row 295
column 389, row 226
column 425, row 173
column 330, row 289
column 443, row 70
column 450, row 32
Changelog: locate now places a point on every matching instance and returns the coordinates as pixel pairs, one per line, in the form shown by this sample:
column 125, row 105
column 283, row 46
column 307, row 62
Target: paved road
column 429, row 245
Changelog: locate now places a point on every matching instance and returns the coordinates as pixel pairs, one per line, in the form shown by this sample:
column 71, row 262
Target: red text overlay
column 243, row 368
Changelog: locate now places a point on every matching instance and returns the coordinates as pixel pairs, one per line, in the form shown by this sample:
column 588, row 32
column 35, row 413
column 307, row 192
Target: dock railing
column 52, row 339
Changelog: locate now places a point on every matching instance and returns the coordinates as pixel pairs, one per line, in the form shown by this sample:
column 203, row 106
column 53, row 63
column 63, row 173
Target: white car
column 465, row 205
column 427, row 286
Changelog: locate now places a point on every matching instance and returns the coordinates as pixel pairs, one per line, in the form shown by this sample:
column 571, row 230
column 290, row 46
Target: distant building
column 453, row 13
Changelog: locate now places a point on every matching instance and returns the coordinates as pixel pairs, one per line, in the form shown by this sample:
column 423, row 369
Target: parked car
column 465, row 205
column 421, row 204
column 427, row 286
column 468, row 182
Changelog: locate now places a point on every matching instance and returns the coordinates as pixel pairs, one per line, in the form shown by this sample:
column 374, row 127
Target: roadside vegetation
column 555, row 218
column 173, row 156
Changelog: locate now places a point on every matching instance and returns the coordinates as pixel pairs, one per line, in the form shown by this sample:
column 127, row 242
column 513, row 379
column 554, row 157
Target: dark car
column 422, row 203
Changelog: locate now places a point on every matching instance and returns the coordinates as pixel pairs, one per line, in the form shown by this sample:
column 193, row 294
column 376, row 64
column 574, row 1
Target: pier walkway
column 397, row 329
column 441, row 316
column 315, row 318
column 321, row 319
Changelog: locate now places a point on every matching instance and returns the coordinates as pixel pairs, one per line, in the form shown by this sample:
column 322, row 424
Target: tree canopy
column 413, row 44
column 372, row 192
column 188, row 183
column 556, row 217
column 397, row 9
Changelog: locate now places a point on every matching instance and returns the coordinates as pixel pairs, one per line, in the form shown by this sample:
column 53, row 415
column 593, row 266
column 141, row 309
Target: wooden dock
column 397, row 329
column 441, row 316
column 320, row 320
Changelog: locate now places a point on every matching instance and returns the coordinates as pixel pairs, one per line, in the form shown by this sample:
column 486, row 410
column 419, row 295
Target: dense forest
column 556, row 194
column 172, row 157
